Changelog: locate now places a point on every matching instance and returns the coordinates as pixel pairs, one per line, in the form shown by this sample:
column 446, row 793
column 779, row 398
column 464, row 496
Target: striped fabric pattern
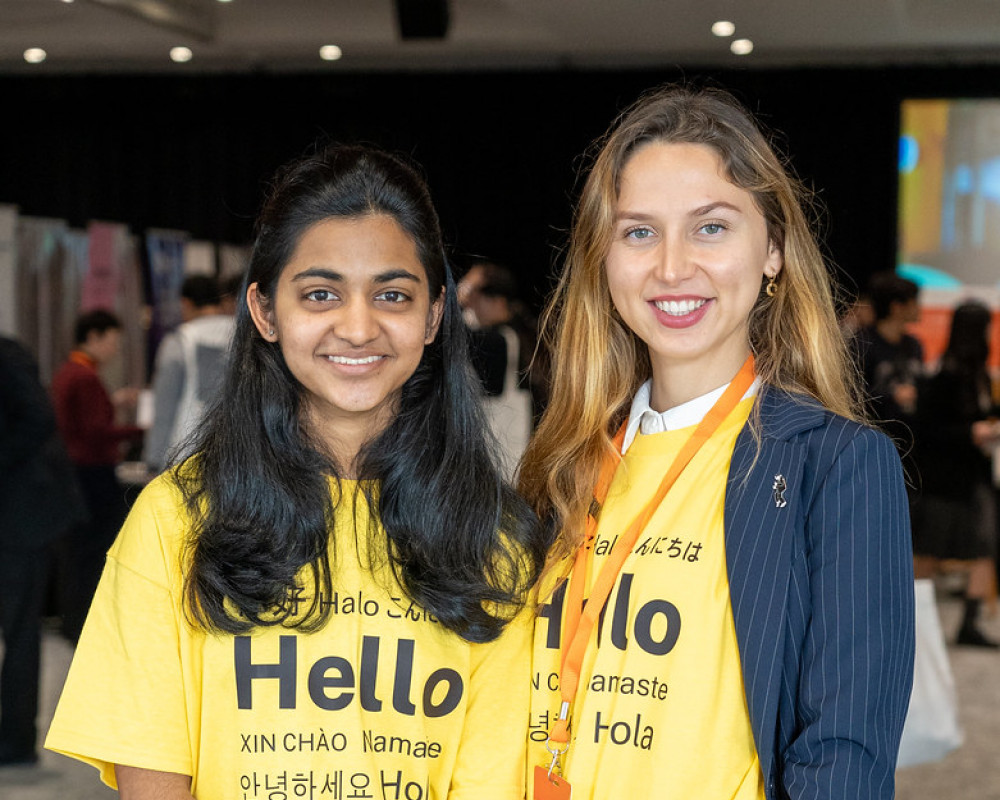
column 821, row 580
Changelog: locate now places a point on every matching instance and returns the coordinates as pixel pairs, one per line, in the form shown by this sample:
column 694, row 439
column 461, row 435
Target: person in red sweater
column 85, row 414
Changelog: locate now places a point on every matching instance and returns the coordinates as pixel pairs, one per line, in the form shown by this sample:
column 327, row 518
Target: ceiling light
column 34, row 55
column 330, row 52
column 181, row 54
column 741, row 47
column 723, row 28
column 67, row 1
column 221, row 1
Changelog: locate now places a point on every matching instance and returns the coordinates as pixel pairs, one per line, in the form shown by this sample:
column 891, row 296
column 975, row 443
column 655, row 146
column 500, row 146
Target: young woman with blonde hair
column 728, row 611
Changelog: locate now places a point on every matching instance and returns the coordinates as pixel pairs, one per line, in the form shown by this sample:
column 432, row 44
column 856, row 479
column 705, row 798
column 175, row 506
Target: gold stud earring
column 772, row 287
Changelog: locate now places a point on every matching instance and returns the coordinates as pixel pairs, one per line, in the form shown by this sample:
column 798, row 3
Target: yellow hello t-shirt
column 382, row 702
column 661, row 710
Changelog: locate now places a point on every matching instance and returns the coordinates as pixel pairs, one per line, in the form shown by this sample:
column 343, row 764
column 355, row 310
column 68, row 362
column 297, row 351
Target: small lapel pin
column 779, row 487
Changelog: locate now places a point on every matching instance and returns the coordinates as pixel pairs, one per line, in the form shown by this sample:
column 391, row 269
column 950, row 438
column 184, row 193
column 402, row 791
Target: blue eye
column 713, row 228
column 638, row 233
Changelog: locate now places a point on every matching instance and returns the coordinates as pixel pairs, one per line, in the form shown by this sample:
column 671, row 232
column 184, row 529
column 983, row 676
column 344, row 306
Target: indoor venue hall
column 140, row 139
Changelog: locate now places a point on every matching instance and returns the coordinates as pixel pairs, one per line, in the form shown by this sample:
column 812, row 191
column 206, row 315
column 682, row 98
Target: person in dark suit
column 729, row 606
column 38, row 503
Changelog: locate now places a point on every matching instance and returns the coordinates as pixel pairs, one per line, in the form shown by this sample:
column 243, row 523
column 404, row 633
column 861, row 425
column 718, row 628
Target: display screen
column 949, row 209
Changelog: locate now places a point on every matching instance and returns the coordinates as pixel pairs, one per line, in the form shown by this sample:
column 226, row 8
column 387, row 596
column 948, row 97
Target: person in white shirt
column 189, row 366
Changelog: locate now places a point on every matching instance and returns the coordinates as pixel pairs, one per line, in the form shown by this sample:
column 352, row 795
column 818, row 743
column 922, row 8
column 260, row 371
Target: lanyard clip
column 558, row 749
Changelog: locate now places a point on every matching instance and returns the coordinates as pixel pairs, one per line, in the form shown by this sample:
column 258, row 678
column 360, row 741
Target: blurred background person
column 39, row 501
column 189, row 366
column 229, row 294
column 87, row 418
column 890, row 359
column 860, row 314
column 956, row 431
column 503, row 341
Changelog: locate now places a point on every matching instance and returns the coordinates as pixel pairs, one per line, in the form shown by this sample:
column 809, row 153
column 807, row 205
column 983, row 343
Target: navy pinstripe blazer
column 821, row 583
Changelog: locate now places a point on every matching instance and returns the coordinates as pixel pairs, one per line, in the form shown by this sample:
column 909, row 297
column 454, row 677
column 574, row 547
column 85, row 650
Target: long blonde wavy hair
column 599, row 363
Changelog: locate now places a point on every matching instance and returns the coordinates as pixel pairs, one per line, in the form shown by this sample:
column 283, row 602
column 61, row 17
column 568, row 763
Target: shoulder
column 803, row 420
column 212, row 326
column 170, row 345
column 14, row 355
column 156, row 529
column 863, row 338
column 912, row 343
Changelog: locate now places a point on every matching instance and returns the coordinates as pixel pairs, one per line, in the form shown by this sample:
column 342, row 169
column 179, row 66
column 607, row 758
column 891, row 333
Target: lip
column 699, row 307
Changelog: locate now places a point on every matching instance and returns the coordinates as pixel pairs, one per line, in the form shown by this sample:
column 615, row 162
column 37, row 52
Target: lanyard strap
column 81, row 358
column 580, row 617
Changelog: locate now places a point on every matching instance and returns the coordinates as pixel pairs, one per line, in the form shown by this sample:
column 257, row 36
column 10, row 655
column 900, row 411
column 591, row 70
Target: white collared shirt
column 643, row 419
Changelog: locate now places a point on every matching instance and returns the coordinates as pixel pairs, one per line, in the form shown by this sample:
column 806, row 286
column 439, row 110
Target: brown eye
column 393, row 296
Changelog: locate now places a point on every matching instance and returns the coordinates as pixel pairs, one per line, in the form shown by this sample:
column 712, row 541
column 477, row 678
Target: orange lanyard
column 81, row 358
column 580, row 617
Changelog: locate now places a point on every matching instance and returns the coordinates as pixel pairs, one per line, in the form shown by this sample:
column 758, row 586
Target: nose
column 356, row 323
column 675, row 262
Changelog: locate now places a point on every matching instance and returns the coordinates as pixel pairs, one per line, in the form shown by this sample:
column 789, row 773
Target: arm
column 146, row 784
column 92, row 414
column 491, row 755
column 857, row 653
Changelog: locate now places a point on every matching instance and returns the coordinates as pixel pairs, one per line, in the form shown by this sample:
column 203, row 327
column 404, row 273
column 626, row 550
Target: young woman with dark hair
column 955, row 514
column 737, row 615
column 316, row 601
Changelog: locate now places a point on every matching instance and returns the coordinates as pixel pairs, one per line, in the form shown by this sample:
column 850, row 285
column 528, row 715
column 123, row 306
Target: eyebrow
column 701, row 211
column 337, row 277
column 707, row 209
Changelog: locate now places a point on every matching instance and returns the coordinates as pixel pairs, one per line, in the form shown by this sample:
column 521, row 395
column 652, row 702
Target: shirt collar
column 81, row 358
column 643, row 419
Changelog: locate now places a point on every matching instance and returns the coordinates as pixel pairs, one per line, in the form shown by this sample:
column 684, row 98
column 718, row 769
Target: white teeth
column 679, row 308
column 353, row 361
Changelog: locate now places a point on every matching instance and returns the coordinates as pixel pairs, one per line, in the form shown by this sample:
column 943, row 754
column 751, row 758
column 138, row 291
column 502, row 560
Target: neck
column 677, row 383
column 343, row 439
column 890, row 329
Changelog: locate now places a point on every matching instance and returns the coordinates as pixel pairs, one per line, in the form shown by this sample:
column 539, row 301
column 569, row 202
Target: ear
column 775, row 260
column 434, row 317
column 261, row 313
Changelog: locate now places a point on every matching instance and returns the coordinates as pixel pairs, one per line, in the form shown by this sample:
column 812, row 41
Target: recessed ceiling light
column 723, row 28
column 330, row 52
column 181, row 54
column 34, row 55
column 741, row 47
column 67, row 1
column 221, row 1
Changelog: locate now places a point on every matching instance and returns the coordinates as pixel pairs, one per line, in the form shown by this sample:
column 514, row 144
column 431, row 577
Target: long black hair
column 968, row 341
column 461, row 542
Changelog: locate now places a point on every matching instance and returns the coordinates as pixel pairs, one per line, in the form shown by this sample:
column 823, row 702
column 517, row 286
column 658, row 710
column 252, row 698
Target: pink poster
column 100, row 283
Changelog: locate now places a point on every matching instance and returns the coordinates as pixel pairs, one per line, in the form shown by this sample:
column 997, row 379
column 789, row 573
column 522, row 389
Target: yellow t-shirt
column 382, row 702
column 661, row 710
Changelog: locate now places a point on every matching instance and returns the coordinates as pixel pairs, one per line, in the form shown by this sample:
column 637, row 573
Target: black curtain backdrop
column 502, row 151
